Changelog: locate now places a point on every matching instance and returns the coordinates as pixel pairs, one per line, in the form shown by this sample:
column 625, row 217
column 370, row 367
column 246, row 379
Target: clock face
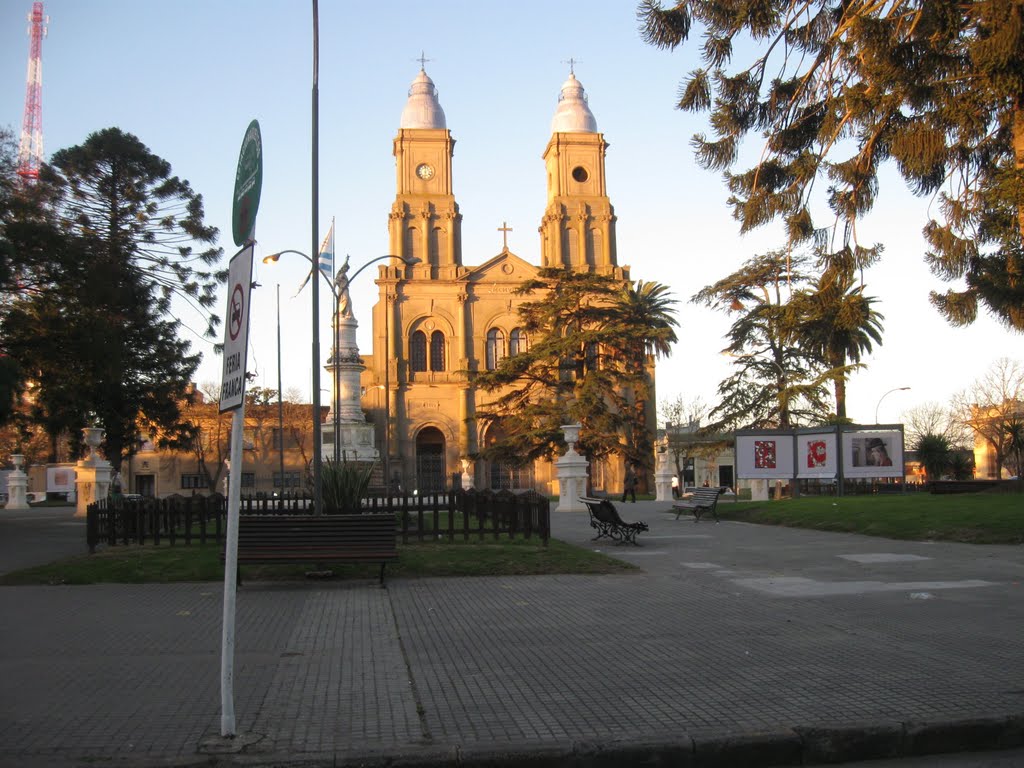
column 425, row 171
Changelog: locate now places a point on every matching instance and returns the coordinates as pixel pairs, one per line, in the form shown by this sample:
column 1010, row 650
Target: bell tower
column 425, row 221
column 578, row 228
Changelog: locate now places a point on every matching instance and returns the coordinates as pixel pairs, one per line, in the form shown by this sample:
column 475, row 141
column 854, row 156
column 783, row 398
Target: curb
column 796, row 746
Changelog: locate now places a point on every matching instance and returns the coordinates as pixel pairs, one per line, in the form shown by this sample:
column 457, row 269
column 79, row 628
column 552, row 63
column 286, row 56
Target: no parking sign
column 236, row 330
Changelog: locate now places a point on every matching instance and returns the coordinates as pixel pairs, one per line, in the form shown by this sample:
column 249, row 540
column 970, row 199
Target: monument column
column 17, row 484
column 92, row 474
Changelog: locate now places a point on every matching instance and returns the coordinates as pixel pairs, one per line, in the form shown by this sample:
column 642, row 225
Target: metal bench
column 698, row 501
column 317, row 539
column 604, row 517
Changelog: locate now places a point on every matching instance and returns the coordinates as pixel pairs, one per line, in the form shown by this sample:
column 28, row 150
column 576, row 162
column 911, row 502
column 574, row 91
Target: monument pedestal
column 663, row 474
column 17, row 484
column 572, row 474
column 92, row 474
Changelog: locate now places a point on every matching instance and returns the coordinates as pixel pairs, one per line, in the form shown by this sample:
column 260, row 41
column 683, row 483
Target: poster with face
column 767, row 456
column 873, row 454
column 60, row 479
column 816, row 455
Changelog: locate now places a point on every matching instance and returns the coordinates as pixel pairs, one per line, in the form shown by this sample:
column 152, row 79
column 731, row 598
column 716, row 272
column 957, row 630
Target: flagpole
column 318, row 490
column 337, row 374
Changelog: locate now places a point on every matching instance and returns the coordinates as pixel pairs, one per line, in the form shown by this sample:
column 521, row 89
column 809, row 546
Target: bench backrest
column 355, row 533
column 603, row 510
column 704, row 495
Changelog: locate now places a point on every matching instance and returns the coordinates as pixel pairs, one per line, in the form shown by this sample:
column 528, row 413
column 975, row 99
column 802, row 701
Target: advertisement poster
column 816, row 455
column 764, row 456
column 873, row 453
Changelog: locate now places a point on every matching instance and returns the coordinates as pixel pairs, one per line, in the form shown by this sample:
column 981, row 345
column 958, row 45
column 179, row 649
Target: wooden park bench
column 604, row 517
column 698, row 501
column 317, row 539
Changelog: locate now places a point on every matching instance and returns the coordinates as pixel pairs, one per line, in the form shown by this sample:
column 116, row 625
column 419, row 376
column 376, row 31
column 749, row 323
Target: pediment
column 506, row 267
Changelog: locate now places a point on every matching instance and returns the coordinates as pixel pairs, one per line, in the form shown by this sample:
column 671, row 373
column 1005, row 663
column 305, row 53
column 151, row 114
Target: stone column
column 572, row 474
column 17, row 484
column 759, row 490
column 467, row 476
column 92, row 474
column 663, row 472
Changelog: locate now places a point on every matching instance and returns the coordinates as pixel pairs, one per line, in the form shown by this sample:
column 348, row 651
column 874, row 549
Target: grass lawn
column 163, row 564
column 975, row 518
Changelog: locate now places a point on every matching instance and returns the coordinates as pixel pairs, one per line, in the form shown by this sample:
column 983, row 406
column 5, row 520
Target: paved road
column 757, row 644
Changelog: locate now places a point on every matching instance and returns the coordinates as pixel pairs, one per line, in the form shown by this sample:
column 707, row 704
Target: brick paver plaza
column 730, row 632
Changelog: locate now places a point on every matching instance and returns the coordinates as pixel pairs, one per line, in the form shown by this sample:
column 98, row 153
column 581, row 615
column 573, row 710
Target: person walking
column 629, row 484
column 675, row 486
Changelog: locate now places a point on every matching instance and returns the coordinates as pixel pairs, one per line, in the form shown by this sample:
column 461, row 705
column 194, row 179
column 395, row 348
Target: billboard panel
column 873, row 453
column 816, row 455
column 764, row 456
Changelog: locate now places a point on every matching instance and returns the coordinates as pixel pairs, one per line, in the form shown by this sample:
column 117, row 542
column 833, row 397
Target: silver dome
column 422, row 110
column 573, row 115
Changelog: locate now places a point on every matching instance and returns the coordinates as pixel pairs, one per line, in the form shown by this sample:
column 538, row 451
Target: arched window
column 518, row 342
column 413, row 247
column 438, row 245
column 571, row 247
column 495, row 348
column 418, row 351
column 597, row 246
column 437, row 351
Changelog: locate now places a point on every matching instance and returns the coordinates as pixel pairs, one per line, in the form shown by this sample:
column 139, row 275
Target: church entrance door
column 430, row 470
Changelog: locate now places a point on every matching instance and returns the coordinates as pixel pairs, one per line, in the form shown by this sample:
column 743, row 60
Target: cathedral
column 438, row 318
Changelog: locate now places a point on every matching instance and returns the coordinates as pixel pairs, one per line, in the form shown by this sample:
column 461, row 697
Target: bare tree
column 993, row 403
column 931, row 418
column 682, row 417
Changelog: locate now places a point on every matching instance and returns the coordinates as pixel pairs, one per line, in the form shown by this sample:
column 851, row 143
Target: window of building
column 248, row 479
column 418, row 351
column 292, row 479
column 413, row 247
column 437, row 351
column 518, row 342
column 505, row 476
column 196, row 480
column 495, row 348
column 277, row 442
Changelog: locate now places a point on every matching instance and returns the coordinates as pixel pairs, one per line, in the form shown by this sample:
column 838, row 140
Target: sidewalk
column 735, row 645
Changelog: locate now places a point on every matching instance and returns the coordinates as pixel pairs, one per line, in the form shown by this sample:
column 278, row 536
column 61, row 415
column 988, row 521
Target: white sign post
column 232, row 397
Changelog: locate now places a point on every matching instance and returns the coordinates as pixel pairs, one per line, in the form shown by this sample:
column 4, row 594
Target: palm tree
column 933, row 453
column 1013, row 430
column 643, row 326
column 838, row 323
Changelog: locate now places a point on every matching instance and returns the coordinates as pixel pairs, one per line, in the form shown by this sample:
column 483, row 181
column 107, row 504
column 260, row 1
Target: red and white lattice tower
column 30, row 151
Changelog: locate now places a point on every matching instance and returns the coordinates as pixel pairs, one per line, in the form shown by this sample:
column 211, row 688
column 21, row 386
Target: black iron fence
column 443, row 516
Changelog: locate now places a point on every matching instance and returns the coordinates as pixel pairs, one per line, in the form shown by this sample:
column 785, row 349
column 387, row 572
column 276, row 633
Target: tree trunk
column 1018, row 150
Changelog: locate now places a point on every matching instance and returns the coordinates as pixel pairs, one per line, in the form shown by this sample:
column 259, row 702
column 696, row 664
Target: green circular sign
column 248, row 183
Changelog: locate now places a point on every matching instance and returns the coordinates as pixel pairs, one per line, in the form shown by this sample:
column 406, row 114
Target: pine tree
column 779, row 380
column 91, row 323
column 590, row 338
column 839, row 87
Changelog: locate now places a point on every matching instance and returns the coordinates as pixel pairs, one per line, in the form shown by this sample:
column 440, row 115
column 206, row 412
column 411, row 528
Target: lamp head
column 272, row 258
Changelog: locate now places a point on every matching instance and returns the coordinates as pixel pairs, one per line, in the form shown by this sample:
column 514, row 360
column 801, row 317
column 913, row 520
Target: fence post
column 92, row 534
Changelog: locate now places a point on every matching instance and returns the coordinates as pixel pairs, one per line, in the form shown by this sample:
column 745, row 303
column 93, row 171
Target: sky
column 188, row 77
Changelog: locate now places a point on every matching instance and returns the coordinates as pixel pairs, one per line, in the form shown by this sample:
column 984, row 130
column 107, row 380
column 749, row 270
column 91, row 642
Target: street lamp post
column 897, row 389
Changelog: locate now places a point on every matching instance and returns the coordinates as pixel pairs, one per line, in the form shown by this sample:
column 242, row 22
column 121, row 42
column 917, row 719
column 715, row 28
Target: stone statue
column 341, row 287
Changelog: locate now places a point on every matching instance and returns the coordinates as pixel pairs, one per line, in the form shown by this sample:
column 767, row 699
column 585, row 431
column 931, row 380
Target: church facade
column 440, row 320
